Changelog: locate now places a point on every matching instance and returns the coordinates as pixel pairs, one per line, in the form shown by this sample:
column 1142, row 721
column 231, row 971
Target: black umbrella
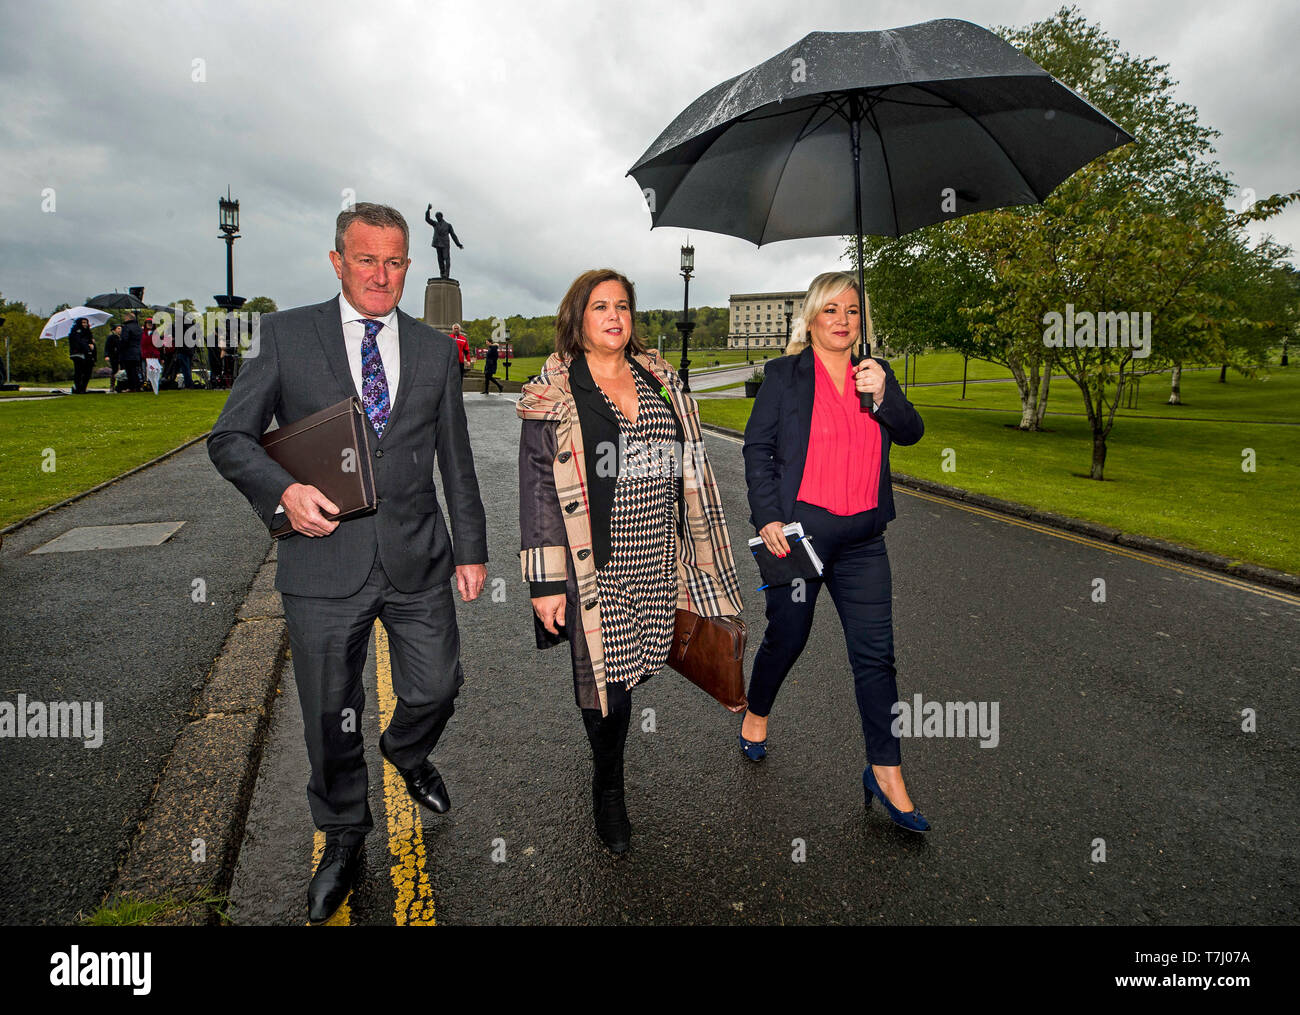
column 923, row 124
column 116, row 301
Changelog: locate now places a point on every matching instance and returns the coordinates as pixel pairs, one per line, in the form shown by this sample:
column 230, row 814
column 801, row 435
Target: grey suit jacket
column 301, row 367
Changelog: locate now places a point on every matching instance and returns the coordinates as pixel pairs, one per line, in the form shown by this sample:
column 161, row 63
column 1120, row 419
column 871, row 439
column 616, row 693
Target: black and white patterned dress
column 638, row 586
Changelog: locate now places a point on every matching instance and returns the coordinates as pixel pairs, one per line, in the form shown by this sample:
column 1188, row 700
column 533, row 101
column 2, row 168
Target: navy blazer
column 776, row 437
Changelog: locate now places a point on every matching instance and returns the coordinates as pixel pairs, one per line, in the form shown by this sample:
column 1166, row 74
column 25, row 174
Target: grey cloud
column 517, row 120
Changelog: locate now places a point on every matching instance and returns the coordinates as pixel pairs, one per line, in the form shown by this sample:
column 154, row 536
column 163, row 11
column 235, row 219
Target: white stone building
column 757, row 320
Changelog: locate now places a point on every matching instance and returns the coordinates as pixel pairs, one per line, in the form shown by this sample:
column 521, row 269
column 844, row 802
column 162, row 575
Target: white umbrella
column 60, row 324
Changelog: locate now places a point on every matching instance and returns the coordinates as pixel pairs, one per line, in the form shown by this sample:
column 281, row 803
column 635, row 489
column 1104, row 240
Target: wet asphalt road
column 118, row 627
column 1118, row 721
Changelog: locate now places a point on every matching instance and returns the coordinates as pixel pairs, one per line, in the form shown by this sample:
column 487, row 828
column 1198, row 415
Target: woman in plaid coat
column 620, row 518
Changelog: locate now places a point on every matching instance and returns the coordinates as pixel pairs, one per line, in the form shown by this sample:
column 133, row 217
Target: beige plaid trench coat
column 706, row 569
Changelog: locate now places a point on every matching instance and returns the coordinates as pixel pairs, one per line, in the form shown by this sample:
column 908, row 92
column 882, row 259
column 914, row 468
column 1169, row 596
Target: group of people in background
column 139, row 358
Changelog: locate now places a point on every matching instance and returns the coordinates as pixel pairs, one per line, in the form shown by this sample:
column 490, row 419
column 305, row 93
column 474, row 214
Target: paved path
column 723, row 375
column 1118, row 721
column 118, row 627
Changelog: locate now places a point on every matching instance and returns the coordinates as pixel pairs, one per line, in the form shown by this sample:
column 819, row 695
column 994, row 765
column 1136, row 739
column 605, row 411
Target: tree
column 1140, row 229
column 32, row 358
column 1139, row 284
column 1259, row 301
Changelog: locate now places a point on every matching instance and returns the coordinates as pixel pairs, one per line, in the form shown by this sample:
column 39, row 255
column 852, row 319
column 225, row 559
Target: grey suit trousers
column 329, row 639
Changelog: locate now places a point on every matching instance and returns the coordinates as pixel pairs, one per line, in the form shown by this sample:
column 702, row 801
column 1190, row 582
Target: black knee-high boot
column 608, row 736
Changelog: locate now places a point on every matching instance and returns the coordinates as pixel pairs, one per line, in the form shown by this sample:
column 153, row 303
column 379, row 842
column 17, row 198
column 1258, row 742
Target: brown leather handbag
column 710, row 653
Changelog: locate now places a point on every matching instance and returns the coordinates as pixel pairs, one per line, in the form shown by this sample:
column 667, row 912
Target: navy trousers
column 856, row 573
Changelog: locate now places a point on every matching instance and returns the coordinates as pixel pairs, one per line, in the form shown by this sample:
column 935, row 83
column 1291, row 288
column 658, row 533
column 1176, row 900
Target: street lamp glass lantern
column 789, row 307
column 229, row 215
column 688, row 259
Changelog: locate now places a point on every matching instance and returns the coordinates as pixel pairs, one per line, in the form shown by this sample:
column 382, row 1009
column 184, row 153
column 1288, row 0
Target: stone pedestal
column 442, row 303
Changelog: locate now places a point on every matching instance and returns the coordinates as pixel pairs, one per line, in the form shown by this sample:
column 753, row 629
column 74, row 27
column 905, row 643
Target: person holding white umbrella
column 76, row 322
column 81, row 347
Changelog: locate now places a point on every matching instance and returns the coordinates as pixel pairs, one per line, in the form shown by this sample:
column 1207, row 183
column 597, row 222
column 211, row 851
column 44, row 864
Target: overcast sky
column 517, row 119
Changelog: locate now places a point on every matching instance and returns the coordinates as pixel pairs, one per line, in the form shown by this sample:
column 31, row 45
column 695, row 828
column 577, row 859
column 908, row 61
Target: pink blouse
column 842, row 472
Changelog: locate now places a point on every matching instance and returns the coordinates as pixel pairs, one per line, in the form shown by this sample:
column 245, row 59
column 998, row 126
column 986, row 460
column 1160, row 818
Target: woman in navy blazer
column 782, row 429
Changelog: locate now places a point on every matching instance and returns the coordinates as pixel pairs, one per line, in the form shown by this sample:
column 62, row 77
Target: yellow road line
column 413, row 903
column 1123, row 551
column 343, row 915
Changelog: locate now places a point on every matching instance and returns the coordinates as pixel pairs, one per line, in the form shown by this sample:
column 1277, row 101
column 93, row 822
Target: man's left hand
column 470, row 579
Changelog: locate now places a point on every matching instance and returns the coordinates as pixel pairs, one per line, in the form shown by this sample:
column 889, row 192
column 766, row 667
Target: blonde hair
column 824, row 288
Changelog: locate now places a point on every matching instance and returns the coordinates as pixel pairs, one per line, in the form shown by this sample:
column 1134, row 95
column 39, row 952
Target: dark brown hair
column 568, row 318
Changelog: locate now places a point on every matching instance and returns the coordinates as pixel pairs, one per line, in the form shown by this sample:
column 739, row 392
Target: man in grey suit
column 334, row 577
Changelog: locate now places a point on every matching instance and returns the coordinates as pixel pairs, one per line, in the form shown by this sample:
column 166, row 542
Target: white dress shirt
column 354, row 331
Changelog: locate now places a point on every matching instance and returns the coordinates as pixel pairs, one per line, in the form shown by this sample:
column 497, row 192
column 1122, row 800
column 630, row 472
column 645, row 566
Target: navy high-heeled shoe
column 911, row 820
column 754, row 750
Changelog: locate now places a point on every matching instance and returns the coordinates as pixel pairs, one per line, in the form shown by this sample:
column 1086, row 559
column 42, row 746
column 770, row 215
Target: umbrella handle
column 864, row 347
column 855, row 143
column 864, row 397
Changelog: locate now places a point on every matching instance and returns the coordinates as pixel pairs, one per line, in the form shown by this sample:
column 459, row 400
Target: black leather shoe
column 335, row 876
column 423, row 783
column 612, row 826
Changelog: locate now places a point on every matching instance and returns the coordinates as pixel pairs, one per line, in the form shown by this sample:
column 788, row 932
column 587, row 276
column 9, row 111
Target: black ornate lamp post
column 506, row 352
column 228, row 222
column 685, row 326
column 789, row 314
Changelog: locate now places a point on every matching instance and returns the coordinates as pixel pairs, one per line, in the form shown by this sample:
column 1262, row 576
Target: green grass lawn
column 1271, row 397
column 93, row 439
column 945, row 366
column 1180, row 481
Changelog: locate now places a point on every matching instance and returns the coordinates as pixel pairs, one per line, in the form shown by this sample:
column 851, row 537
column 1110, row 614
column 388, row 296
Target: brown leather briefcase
column 328, row 450
column 710, row 653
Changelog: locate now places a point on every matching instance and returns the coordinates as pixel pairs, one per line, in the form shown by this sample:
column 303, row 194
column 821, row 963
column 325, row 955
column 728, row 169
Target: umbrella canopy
column 61, row 323
column 926, row 123
column 117, row 301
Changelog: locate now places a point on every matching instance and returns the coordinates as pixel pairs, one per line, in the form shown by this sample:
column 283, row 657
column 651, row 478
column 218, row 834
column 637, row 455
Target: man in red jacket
column 462, row 349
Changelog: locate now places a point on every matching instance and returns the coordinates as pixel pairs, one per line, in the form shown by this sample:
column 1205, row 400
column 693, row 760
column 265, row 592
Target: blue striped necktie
column 374, row 382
